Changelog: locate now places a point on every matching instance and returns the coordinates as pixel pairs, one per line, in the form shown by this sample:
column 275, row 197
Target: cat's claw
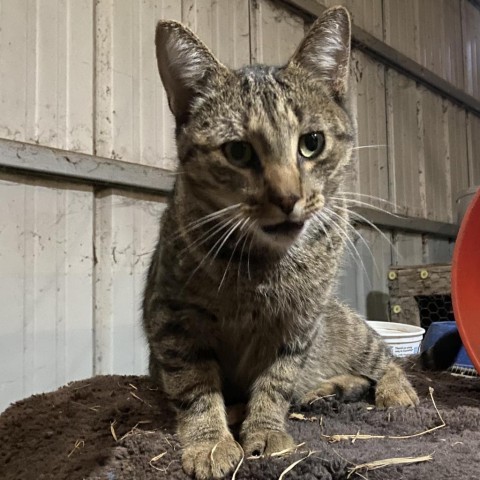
column 266, row 442
column 211, row 460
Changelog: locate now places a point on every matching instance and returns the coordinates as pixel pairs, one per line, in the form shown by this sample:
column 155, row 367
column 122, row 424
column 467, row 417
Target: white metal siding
column 46, row 265
column 126, row 230
column 275, row 33
column 471, row 47
column 367, row 14
column 46, row 72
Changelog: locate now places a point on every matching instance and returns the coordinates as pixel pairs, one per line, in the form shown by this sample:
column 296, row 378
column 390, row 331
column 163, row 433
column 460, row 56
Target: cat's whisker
column 248, row 256
column 197, row 223
column 348, row 240
column 372, row 197
column 361, row 147
column 226, row 237
column 372, row 225
column 233, row 252
column 322, row 221
column 366, row 204
column 205, row 237
column 361, row 237
column 250, row 229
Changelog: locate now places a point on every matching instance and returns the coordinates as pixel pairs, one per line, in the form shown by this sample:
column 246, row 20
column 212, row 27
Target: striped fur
column 235, row 308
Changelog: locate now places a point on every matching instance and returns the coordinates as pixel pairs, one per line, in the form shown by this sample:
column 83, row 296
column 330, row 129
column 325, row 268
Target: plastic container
column 466, row 281
column 403, row 339
column 436, row 331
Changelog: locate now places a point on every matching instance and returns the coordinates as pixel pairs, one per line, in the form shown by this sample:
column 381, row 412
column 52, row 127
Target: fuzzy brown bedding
column 111, row 427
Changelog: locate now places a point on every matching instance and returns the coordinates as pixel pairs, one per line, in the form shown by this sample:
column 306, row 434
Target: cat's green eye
column 311, row 145
column 240, row 154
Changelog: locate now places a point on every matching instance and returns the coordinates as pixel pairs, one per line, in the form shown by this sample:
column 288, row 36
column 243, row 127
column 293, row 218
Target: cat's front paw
column 266, row 442
column 400, row 395
column 211, row 460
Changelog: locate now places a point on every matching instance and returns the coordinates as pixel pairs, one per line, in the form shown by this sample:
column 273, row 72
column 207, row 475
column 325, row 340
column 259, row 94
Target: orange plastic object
column 466, row 281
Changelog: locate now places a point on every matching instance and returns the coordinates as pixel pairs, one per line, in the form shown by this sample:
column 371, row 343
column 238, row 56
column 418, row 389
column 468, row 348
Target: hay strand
column 112, row 430
column 78, row 444
column 358, row 436
column 155, row 459
column 387, row 462
column 234, row 476
column 294, row 464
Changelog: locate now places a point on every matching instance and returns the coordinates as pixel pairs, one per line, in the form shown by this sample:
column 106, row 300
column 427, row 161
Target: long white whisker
column 369, row 205
column 248, row 256
column 197, row 223
column 368, row 222
column 360, row 236
column 249, row 230
column 347, row 238
column 205, row 237
column 372, row 197
column 233, row 253
column 230, row 232
column 322, row 217
column 361, row 147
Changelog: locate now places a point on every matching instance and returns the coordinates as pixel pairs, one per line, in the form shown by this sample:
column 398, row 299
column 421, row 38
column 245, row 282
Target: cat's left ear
column 184, row 62
column 325, row 51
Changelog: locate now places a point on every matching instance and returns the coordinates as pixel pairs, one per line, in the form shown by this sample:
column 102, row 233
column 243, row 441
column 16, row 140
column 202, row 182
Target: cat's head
column 268, row 145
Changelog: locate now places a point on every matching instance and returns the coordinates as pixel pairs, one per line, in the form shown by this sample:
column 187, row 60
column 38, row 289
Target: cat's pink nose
column 286, row 203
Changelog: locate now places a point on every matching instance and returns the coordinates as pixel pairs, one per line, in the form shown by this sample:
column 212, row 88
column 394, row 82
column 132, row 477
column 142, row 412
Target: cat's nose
column 286, row 203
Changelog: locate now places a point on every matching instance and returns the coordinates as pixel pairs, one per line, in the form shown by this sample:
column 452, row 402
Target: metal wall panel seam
column 391, row 57
column 89, row 169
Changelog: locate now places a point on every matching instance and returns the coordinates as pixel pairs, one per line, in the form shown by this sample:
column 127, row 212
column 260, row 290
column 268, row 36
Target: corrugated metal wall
column 81, row 76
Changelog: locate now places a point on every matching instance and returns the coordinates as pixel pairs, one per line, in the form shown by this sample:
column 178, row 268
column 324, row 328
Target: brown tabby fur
column 236, row 314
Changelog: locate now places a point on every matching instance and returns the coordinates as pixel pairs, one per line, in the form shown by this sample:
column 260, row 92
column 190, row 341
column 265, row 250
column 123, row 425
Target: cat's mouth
column 284, row 228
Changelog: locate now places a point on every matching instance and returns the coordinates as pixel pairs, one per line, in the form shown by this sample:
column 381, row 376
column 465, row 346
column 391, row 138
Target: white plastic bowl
column 402, row 339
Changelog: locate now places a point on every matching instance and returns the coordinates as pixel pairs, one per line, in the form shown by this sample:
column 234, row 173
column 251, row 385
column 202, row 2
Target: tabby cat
column 238, row 304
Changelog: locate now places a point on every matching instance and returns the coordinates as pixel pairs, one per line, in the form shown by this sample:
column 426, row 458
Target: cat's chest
column 244, row 352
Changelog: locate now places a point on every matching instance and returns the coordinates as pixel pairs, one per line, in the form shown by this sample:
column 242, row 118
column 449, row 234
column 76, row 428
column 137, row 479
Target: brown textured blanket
column 115, row 427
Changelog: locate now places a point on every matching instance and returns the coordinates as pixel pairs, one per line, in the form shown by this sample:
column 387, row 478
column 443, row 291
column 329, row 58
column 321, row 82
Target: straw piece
column 155, row 459
column 112, row 429
column 234, row 476
column 387, row 462
column 302, row 417
column 281, row 453
column 78, row 444
column 358, row 436
column 294, row 464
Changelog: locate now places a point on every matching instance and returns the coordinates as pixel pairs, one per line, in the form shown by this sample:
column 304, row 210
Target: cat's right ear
column 184, row 62
column 324, row 53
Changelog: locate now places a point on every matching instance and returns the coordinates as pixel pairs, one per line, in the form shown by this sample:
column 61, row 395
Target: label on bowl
column 404, row 350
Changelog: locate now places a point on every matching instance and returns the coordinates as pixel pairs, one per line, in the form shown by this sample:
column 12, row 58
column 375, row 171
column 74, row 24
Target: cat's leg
column 349, row 357
column 347, row 388
column 190, row 376
column 263, row 431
